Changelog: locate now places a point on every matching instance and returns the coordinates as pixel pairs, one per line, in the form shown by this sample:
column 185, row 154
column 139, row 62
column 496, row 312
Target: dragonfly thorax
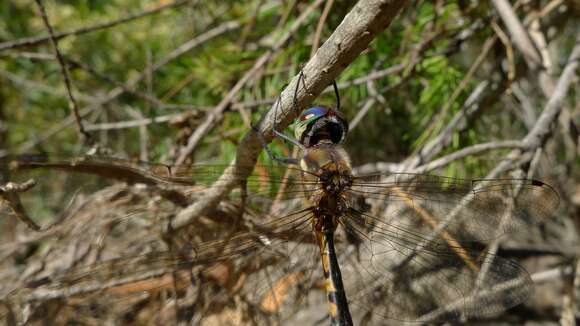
column 334, row 182
column 328, row 174
column 328, row 163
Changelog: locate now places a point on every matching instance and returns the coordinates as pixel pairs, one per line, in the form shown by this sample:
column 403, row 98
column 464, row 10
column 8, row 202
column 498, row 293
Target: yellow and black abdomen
column 336, row 296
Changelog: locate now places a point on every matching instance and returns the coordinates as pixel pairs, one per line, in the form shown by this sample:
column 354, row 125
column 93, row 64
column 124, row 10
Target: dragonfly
column 394, row 248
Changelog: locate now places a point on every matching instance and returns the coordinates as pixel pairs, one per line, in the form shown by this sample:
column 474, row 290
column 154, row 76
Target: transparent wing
column 257, row 177
column 400, row 275
column 108, row 239
column 470, row 209
column 59, row 179
column 421, row 252
column 263, row 268
column 268, row 237
column 413, row 247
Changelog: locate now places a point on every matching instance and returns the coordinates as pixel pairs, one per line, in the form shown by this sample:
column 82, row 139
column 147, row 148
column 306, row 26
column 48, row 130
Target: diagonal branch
column 518, row 33
column 358, row 28
column 542, row 130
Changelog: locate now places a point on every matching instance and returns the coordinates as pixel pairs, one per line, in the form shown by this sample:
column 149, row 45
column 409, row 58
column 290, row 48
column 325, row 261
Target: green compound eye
column 306, row 118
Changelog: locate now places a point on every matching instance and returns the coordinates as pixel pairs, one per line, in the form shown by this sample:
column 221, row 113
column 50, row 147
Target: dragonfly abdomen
column 336, row 296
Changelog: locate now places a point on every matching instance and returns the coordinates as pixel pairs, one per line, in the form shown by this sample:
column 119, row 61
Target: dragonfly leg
column 281, row 135
column 283, row 160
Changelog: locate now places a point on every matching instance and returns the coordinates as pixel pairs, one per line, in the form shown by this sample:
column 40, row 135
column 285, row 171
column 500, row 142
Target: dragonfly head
column 320, row 123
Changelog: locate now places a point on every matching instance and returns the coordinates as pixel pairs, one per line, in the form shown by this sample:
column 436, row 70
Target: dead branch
column 518, row 33
column 9, row 194
column 542, row 130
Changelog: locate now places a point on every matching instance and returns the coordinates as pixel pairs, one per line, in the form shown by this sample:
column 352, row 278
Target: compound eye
column 313, row 113
column 306, row 119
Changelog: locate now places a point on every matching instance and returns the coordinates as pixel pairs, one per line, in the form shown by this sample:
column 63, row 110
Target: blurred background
column 443, row 77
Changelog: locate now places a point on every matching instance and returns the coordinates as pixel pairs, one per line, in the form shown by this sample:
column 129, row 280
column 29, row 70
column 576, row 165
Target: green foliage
column 415, row 104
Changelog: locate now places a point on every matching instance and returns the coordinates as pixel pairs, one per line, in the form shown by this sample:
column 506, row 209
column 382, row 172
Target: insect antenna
column 337, row 95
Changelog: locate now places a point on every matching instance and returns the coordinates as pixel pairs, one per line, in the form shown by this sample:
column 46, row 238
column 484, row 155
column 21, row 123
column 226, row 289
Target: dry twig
column 85, row 136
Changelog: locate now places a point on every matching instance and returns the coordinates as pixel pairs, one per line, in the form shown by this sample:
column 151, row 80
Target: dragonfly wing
column 399, row 276
column 267, row 239
column 59, row 179
column 105, row 226
column 421, row 245
column 470, row 209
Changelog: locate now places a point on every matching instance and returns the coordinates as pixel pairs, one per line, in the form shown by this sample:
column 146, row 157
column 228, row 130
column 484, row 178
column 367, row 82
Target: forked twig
column 9, row 193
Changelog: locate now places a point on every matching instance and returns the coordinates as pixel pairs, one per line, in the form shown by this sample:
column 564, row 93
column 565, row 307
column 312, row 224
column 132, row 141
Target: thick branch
column 366, row 19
